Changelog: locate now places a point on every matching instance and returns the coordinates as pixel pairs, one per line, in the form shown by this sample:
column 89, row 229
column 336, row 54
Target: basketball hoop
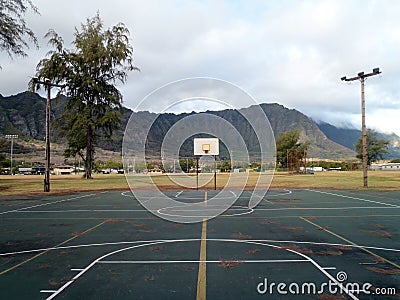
column 205, row 148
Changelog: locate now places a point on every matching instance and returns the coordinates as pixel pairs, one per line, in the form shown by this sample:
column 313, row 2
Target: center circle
column 190, row 211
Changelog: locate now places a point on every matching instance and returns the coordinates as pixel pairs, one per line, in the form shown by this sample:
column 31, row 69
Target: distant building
column 317, row 169
column 311, row 170
column 39, row 170
column 155, row 171
column 63, row 170
column 22, row 170
column 386, row 167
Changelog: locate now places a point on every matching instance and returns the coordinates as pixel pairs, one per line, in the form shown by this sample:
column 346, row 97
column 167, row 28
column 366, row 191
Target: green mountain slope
column 24, row 114
column 348, row 138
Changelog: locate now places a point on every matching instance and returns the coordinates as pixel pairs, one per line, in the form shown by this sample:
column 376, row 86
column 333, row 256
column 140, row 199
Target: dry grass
column 229, row 264
column 31, row 184
column 380, row 233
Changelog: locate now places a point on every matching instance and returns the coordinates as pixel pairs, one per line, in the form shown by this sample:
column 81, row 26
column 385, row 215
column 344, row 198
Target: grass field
column 93, row 239
column 352, row 180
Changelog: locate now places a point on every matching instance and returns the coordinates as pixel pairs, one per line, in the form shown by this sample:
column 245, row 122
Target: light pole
column 48, row 86
column 12, row 137
column 361, row 77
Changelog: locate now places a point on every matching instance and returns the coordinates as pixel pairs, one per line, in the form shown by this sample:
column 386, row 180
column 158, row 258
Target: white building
column 62, row 170
column 386, row 167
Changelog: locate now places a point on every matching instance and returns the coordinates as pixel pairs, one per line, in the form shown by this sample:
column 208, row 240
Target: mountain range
column 24, row 114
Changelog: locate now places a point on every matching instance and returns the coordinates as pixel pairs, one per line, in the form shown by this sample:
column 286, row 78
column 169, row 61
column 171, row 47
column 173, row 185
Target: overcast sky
column 289, row 52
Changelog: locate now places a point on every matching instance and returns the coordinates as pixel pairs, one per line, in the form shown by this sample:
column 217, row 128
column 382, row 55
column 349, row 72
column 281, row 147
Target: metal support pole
column 287, row 160
column 11, row 159
column 361, row 77
column 48, row 86
column 47, row 172
column 215, row 172
column 364, row 136
column 12, row 137
column 197, row 172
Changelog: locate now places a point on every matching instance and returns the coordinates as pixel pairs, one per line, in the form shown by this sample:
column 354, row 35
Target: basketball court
column 107, row 246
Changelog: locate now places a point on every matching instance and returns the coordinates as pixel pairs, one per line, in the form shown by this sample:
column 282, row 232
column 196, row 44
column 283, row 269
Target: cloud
column 290, row 52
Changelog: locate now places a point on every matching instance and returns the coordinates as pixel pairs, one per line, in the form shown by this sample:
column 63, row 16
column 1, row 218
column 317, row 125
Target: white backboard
column 206, row 146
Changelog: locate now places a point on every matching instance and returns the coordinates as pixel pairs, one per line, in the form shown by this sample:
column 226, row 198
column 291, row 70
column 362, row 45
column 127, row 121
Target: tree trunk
column 89, row 153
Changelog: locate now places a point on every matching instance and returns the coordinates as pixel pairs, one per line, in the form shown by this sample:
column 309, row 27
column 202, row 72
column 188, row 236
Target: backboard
column 206, row 146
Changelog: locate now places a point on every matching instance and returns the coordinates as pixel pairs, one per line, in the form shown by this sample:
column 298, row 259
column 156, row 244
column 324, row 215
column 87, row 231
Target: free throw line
column 46, row 251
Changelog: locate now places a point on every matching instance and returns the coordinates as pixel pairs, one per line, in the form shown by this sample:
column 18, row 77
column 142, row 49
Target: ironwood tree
column 14, row 33
column 90, row 71
column 376, row 148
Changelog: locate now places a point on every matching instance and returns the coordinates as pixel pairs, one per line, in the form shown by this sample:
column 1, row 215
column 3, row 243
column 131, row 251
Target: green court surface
column 295, row 244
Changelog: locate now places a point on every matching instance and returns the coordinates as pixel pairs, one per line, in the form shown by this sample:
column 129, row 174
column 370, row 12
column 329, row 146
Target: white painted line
column 98, row 260
column 63, row 287
column 199, row 261
column 177, row 194
column 123, row 194
column 221, row 240
column 47, row 203
column 287, row 192
column 208, row 208
column 201, row 209
column 204, row 209
column 326, row 208
column 328, row 244
column 369, row 263
column 201, row 198
column 83, row 210
column 333, row 279
column 48, row 291
column 72, row 247
column 354, row 198
column 268, row 201
column 329, row 268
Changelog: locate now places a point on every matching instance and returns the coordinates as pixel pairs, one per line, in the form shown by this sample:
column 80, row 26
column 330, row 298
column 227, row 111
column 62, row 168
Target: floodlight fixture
column 12, row 137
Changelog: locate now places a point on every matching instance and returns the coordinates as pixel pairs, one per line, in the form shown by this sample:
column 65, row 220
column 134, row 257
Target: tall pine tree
column 100, row 58
column 14, row 32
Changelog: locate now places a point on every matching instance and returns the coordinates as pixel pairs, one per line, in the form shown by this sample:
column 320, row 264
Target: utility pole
column 197, row 172
column 361, row 77
column 12, row 137
column 48, row 86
